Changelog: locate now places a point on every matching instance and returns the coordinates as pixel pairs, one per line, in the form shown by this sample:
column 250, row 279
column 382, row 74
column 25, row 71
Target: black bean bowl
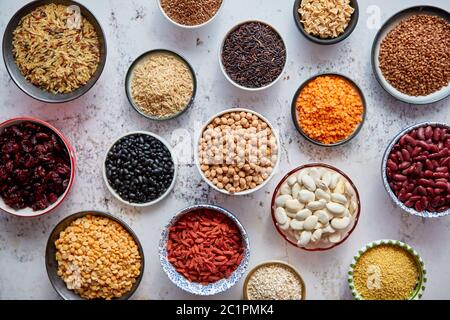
column 52, row 265
column 15, row 73
column 165, row 194
column 327, row 41
column 297, row 124
column 129, row 77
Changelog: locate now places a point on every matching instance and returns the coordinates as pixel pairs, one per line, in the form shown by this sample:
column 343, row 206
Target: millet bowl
column 189, row 26
column 129, row 79
column 196, row 288
column 390, row 24
column 271, row 263
column 418, row 291
column 52, row 265
column 222, row 67
column 294, row 112
column 319, row 246
column 197, row 160
column 26, row 86
column 396, row 201
column 28, row 212
column 165, row 194
column 327, row 41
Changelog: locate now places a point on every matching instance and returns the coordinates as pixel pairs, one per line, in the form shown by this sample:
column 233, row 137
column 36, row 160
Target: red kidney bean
column 441, row 184
column 430, row 191
column 439, row 175
column 428, row 174
column 399, row 177
column 416, row 151
column 420, row 158
column 422, row 144
column 437, row 201
column 400, row 156
column 444, row 161
column 389, row 172
column 439, row 191
column 433, row 148
column 442, row 169
column 421, row 133
column 404, row 165
column 392, row 165
column 421, row 190
column 428, row 132
column 410, row 140
column 415, row 198
column 406, row 155
column 442, row 209
column 404, row 196
column 409, row 203
column 436, row 134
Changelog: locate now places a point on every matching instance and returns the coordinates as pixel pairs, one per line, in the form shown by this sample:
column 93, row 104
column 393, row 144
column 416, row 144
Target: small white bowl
column 188, row 26
column 197, row 160
column 237, row 85
column 141, row 205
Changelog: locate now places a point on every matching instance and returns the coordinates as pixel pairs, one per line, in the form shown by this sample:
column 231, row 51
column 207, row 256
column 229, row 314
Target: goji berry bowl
column 37, row 167
column 204, row 250
column 312, row 225
column 415, row 170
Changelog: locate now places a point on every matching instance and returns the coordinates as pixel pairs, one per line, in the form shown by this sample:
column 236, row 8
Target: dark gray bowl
column 26, row 86
column 351, row 25
column 299, row 128
column 128, row 84
column 52, row 265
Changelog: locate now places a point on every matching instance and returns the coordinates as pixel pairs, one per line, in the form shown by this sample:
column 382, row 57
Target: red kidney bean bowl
column 415, row 169
column 52, row 166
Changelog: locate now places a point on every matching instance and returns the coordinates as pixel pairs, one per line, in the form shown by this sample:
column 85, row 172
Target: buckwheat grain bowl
column 93, row 255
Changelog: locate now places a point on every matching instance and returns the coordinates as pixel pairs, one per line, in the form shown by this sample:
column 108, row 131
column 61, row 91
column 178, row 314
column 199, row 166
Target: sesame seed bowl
column 332, row 233
column 173, row 269
column 53, row 204
column 274, row 163
column 387, row 27
column 419, row 287
column 52, row 265
column 295, row 113
column 153, row 166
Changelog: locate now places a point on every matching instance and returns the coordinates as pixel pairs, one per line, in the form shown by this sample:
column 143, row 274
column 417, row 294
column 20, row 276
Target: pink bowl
column 28, row 212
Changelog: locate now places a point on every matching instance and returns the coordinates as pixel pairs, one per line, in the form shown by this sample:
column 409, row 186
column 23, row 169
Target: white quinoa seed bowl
column 160, row 198
column 222, row 67
column 274, row 166
column 185, row 26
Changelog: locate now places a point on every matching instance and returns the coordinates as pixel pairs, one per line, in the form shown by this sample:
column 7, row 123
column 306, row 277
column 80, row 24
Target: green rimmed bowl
column 417, row 293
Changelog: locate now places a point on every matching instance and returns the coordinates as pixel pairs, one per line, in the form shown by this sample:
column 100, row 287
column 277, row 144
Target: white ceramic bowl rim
column 189, row 26
column 222, row 67
column 165, row 194
column 197, row 160
column 197, row 288
column 28, row 212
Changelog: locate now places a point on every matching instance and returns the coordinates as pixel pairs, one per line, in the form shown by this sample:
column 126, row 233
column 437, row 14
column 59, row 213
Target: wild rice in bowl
column 56, row 49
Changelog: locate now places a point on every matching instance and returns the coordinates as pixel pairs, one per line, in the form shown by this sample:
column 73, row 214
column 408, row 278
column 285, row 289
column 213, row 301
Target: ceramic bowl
column 165, row 194
column 222, row 67
column 15, row 73
column 390, row 24
column 129, row 78
column 421, row 281
column 52, row 265
column 397, row 202
column 197, row 160
column 351, row 25
column 294, row 112
column 196, row 288
column 28, row 212
column 321, row 245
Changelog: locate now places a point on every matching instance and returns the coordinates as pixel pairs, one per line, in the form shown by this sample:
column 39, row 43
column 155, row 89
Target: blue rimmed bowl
column 197, row 288
column 418, row 290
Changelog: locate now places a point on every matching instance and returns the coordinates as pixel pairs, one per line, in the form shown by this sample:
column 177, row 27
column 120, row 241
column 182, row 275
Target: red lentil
column 205, row 246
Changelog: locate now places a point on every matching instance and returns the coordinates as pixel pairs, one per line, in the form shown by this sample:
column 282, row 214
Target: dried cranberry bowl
column 415, row 169
column 37, row 167
column 301, row 226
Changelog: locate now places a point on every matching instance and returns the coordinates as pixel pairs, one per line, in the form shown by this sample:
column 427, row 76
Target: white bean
column 306, row 196
column 328, row 229
column 297, row 225
column 352, row 208
column 340, row 223
column 281, row 216
column 291, row 214
column 323, row 216
column 320, row 194
column 335, row 208
column 308, row 182
column 314, row 173
column 301, row 174
column 326, row 177
column 340, row 187
column 292, row 180
column 334, row 180
column 316, row 205
column 349, row 191
column 310, row 223
column 303, row 214
column 305, row 237
column 293, row 205
column 287, row 225
column 339, row 198
column 296, row 190
column 322, row 185
column 315, row 237
column 334, row 237
column 285, row 189
column 281, row 200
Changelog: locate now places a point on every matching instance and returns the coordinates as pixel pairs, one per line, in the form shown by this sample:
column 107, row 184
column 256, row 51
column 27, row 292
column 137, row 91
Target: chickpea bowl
column 315, row 207
column 81, row 266
column 237, row 152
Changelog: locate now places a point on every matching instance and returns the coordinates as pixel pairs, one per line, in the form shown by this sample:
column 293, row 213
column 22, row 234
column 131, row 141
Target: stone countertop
column 94, row 121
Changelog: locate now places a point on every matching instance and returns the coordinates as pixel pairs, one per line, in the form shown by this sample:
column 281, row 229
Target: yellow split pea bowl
column 374, row 276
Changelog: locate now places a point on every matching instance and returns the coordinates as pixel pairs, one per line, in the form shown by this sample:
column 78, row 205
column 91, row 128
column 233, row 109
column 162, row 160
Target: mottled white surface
column 94, row 121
